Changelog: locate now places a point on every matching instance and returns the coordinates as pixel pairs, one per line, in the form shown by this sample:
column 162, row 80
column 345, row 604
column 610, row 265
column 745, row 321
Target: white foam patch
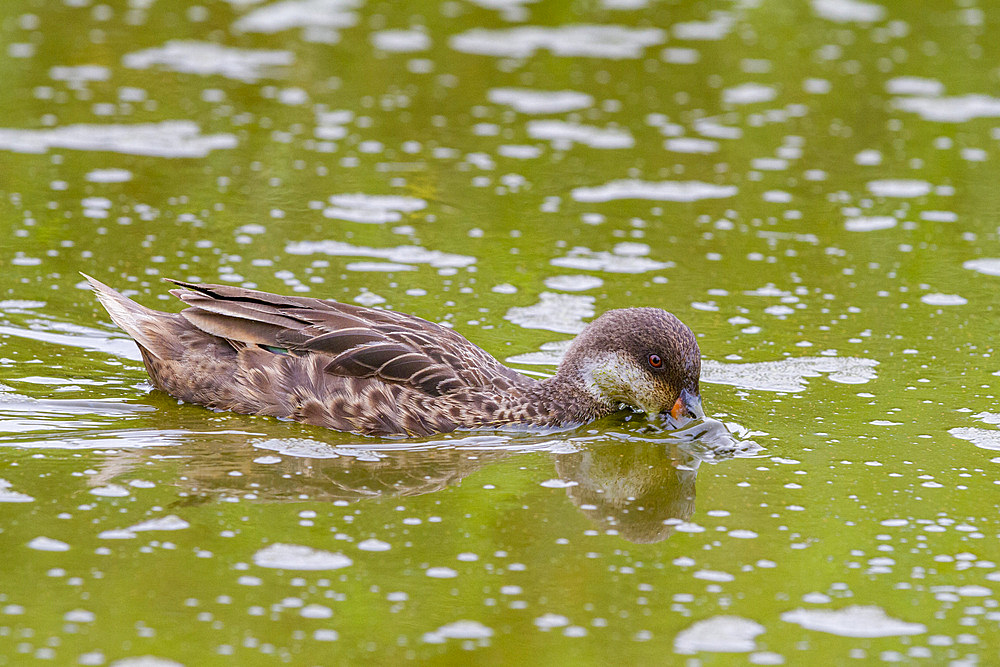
column 848, row 11
column 400, row 41
column 9, row 496
column 989, row 266
column 530, row 101
column 298, row 447
column 914, row 85
column 111, row 491
column 749, row 93
column 206, row 58
column 574, row 283
column 585, row 259
column 854, row 621
column 320, row 19
column 550, row 354
column 980, row 437
column 109, row 176
column 719, row 634
column 950, row 109
column 680, row 191
column 170, row 138
column 519, row 151
column 789, row 375
column 562, row 313
column 458, row 630
column 79, row 73
column 371, row 544
column 587, row 41
column 372, row 209
column 692, row 145
column 901, row 187
column 389, row 267
column 298, row 557
column 564, row 134
column 870, row 223
column 402, row 254
column 169, row 522
column 43, row 543
column 988, row 417
column 720, row 25
column 937, row 299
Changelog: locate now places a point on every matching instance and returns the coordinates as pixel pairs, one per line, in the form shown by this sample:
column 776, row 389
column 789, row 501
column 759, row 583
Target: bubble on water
column 749, row 93
column 989, row 266
column 788, row 375
column 719, row 634
column 208, row 58
column 458, row 630
column 299, row 557
column 589, row 41
column 680, row 55
column 79, row 616
column 939, row 216
column 519, row 151
column 586, row 259
column 980, row 437
column 111, row 491
column 320, row 19
column 9, row 496
column 558, row 483
column 869, row 157
column 900, row 187
column 372, row 544
column 402, row 254
column 936, row 299
column 853, row 621
column 441, row 573
column 870, row 223
column 914, row 85
column 170, row 138
column 692, row 145
column 169, row 522
column 562, row 313
column 950, row 109
column 400, row 41
column 109, row 176
column 316, row 611
column 550, row 620
column 43, row 543
column 79, row 73
column 527, row 100
column 848, row 11
column 563, row 134
column 146, row 661
column 574, row 283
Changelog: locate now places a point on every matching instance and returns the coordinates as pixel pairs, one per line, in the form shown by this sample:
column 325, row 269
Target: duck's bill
column 687, row 408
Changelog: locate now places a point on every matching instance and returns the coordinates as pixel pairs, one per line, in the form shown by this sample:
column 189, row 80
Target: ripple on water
column 169, row 138
column 719, row 634
column 682, row 191
column 205, row 58
column 299, row 557
column 788, row 375
column 527, row 100
column 589, row 41
column 853, row 621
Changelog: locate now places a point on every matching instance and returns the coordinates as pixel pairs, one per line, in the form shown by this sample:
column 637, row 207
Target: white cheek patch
column 619, row 378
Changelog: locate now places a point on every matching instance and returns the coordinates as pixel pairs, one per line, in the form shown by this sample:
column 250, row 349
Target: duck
column 378, row 372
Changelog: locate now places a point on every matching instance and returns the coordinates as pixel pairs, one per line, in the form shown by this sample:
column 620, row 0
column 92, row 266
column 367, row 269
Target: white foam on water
column 320, row 19
column 899, row 187
column 169, row 522
column 680, row 55
column 989, row 266
column 749, row 93
column 988, row 417
column 562, row 313
column 789, row 375
column 458, row 630
column 564, row 134
column 551, row 354
column 720, row 25
column 109, row 176
column 950, row 109
column 848, row 11
column 980, row 437
column 42, row 543
column 719, row 634
column 400, row 41
column 691, row 145
column 519, row 151
column 870, row 223
column 527, row 100
column 79, row 73
column 586, row 259
column 298, row 557
column 914, row 85
column 853, row 621
column 937, row 299
column 680, row 191
column 574, row 283
column 379, row 266
column 206, row 58
column 170, row 138
column 402, row 254
column 298, row 447
column 9, row 496
column 587, row 41
column 372, row 544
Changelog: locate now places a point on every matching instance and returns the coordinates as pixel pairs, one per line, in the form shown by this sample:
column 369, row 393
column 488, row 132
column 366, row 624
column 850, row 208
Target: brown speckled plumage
column 378, row 372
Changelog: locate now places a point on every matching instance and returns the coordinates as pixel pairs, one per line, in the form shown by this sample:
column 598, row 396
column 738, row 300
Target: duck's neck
column 562, row 401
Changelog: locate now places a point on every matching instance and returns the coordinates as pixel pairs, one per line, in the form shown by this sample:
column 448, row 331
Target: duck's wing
column 359, row 342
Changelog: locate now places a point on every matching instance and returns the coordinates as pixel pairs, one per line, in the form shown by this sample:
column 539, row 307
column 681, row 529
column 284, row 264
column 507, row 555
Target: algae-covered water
column 811, row 186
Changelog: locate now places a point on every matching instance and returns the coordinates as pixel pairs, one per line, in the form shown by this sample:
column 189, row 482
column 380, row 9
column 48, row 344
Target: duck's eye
column 655, row 361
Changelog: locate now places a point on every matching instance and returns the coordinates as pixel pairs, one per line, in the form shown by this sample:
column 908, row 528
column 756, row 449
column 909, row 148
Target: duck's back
column 335, row 365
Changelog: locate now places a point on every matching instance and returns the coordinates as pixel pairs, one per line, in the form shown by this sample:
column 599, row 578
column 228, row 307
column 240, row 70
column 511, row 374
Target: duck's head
column 642, row 357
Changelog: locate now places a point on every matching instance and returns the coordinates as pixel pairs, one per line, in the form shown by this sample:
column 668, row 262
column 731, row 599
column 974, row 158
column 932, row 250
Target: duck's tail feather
column 133, row 318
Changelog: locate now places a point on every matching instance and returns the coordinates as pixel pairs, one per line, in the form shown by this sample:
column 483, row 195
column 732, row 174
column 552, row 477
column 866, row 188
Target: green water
column 810, row 186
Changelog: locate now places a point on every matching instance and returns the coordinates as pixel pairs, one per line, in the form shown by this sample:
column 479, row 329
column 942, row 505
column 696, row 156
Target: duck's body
column 378, row 372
